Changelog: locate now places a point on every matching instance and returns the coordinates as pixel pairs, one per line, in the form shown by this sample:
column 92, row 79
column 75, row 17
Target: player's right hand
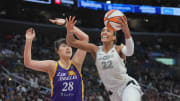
column 30, row 34
column 57, row 21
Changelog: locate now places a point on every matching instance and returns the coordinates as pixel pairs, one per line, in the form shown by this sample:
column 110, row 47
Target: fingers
column 73, row 18
column 51, row 20
column 70, row 19
column 33, row 30
column 28, row 30
column 67, row 20
column 124, row 20
column 75, row 22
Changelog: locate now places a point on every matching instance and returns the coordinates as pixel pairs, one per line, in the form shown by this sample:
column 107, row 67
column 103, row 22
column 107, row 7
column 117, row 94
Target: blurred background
column 154, row 25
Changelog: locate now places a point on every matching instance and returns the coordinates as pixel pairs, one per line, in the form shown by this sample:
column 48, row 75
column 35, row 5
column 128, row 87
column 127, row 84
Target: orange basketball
column 112, row 19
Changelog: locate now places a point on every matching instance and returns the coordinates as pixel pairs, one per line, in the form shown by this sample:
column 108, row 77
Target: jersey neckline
column 65, row 68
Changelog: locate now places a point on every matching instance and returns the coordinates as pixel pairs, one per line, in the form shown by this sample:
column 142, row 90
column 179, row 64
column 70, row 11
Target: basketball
column 112, row 20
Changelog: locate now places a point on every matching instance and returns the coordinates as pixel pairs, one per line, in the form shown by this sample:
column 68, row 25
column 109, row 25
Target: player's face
column 107, row 35
column 65, row 50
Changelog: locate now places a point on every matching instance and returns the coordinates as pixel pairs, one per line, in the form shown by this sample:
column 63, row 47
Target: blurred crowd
column 158, row 81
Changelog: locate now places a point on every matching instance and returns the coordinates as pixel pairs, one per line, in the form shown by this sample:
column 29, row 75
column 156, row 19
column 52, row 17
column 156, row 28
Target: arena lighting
column 108, row 2
column 58, row 2
column 10, row 79
column 146, row 20
column 166, row 61
column 129, row 8
column 40, row 1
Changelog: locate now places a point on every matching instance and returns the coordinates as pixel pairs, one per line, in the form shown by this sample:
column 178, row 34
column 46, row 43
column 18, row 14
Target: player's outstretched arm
column 128, row 49
column 71, row 31
column 44, row 66
column 79, row 33
column 80, row 54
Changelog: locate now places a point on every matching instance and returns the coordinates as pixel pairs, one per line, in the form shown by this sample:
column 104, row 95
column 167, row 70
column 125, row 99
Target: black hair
column 58, row 42
column 115, row 34
column 120, row 39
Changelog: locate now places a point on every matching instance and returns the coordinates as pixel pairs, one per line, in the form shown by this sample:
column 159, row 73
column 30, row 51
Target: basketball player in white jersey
column 109, row 60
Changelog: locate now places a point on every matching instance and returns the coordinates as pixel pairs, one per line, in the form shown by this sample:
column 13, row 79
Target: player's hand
column 30, row 34
column 57, row 21
column 70, row 24
column 124, row 24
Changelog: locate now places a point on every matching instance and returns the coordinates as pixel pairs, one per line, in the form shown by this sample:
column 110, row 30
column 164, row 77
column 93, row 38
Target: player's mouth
column 68, row 52
column 104, row 37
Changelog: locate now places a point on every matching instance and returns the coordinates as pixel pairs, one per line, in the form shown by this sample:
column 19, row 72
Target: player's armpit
column 43, row 66
column 78, row 58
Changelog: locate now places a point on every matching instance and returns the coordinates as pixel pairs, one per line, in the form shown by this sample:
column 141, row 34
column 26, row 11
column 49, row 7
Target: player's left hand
column 58, row 21
column 30, row 34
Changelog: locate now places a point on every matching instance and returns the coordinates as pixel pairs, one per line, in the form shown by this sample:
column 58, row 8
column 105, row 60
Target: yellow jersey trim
column 51, row 79
column 63, row 66
column 76, row 68
column 81, row 80
column 82, row 90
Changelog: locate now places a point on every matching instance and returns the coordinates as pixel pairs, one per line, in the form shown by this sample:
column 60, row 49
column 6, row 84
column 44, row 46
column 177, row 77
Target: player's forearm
column 127, row 32
column 27, row 52
column 80, row 34
column 128, row 49
column 70, row 39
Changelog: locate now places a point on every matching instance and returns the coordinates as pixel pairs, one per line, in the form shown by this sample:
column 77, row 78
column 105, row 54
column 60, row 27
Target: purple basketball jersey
column 67, row 84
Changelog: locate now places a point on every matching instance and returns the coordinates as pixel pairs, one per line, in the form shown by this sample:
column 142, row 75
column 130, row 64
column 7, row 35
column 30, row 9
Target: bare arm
column 79, row 33
column 91, row 48
column 128, row 49
column 44, row 66
column 80, row 54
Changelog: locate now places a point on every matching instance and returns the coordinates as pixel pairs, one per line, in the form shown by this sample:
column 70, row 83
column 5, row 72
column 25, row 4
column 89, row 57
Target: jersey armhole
column 120, row 52
column 76, row 68
column 51, row 78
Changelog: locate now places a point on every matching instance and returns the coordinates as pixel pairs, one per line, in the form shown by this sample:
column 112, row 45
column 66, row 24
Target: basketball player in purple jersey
column 65, row 74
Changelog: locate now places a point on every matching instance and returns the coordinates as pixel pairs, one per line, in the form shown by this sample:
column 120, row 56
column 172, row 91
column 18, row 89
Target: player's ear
column 114, row 37
column 56, row 50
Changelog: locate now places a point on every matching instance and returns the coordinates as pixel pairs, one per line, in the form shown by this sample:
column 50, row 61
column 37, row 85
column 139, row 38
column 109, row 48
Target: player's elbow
column 130, row 53
column 69, row 42
column 27, row 63
column 86, row 38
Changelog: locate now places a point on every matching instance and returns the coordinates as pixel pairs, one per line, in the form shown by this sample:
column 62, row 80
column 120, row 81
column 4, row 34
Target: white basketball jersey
column 111, row 68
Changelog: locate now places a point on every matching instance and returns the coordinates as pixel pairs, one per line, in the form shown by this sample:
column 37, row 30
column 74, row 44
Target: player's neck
column 65, row 62
column 107, row 47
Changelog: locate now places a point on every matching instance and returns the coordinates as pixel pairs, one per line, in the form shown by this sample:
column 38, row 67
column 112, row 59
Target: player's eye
column 108, row 30
column 103, row 30
column 63, row 45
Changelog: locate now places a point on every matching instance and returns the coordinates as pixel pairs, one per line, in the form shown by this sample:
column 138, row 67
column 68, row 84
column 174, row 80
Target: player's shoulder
column 52, row 63
column 119, row 48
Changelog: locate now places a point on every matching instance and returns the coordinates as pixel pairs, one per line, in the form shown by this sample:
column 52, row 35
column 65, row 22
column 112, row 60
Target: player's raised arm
column 44, row 66
column 128, row 49
column 79, row 33
column 80, row 54
column 78, row 43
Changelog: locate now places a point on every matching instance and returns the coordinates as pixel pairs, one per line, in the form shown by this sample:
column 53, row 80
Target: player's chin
column 68, row 55
column 104, row 41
